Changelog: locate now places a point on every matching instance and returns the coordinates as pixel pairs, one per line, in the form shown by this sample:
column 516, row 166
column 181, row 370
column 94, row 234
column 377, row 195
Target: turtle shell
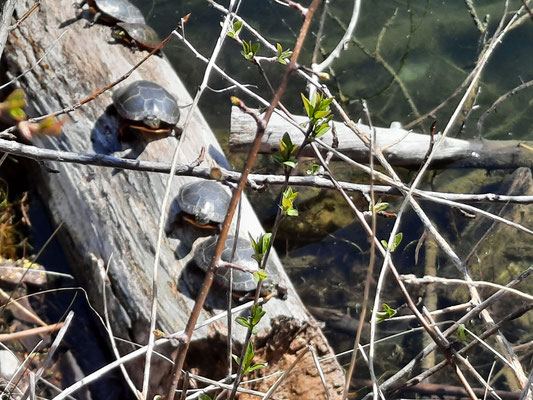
column 242, row 281
column 144, row 100
column 143, row 35
column 118, row 10
column 206, row 201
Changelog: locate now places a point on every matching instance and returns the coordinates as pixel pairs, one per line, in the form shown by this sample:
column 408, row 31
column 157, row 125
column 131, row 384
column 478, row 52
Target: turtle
column 112, row 11
column 203, row 203
column 136, row 35
column 243, row 280
column 147, row 107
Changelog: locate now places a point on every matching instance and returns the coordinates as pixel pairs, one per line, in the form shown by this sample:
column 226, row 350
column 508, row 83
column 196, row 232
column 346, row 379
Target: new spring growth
column 319, row 113
column 251, row 322
column 287, row 203
column 11, row 110
column 397, row 240
column 286, row 152
column 249, row 50
column 386, row 313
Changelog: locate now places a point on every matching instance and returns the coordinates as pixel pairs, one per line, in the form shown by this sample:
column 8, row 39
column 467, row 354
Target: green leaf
column 462, row 334
column 260, row 246
column 243, row 321
column 292, row 212
column 287, row 202
column 314, row 169
column 386, row 313
column 255, row 367
column 17, row 114
column 379, row 206
column 256, row 314
column 249, row 355
column 287, row 148
column 397, row 240
column 260, row 275
column 308, row 107
column 16, row 99
column 282, row 55
column 321, row 114
column 290, row 164
column 235, row 29
column 322, row 129
column 203, row 396
column 236, row 358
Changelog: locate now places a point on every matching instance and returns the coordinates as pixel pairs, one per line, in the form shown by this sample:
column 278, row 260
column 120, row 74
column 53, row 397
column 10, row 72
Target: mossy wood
column 112, row 216
column 402, row 148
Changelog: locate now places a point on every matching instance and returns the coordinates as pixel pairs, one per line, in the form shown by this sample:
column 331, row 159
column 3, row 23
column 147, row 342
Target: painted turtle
column 147, row 107
column 136, row 35
column 204, row 203
column 242, row 281
column 112, row 11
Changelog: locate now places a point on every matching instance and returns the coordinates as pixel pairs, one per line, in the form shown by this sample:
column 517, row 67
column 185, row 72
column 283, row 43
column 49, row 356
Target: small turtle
column 113, row 11
column 147, row 107
column 243, row 281
column 204, row 203
column 140, row 36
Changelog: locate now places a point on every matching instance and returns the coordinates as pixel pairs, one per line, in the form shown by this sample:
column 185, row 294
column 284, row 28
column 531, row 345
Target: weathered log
column 400, row 147
column 112, row 216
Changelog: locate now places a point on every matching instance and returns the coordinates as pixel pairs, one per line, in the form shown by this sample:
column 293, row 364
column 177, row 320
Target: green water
column 431, row 46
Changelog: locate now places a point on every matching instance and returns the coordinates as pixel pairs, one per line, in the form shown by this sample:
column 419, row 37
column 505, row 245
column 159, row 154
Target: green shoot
column 260, row 246
column 249, row 50
column 462, row 334
column 319, row 113
column 397, row 240
column 12, row 106
column 247, row 364
column 287, row 203
column 282, row 55
column 287, row 149
column 255, row 316
column 235, row 29
column 379, row 206
column 386, row 313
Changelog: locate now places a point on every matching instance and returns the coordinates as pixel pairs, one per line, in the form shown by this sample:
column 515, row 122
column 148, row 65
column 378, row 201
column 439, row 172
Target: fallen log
column 111, row 216
column 401, row 148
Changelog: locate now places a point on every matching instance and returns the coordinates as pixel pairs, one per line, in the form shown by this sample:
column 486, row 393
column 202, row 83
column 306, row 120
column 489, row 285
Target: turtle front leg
column 96, row 17
column 134, row 46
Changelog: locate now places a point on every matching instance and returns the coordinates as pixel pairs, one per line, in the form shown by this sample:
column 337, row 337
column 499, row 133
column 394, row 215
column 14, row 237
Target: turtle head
column 118, row 34
column 152, row 122
column 203, row 216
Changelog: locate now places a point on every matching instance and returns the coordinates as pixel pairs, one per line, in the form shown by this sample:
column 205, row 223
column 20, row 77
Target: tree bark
column 111, row 216
column 400, row 147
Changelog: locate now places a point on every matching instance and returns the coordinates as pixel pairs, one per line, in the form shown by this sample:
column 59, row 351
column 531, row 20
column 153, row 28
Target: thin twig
column 5, row 337
column 36, row 63
column 55, row 345
column 412, row 279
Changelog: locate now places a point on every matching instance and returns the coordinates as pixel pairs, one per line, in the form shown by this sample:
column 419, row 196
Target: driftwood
column 111, row 215
column 401, row 148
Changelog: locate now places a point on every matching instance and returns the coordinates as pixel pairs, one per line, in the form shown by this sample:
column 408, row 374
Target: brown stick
column 4, row 337
column 208, row 280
